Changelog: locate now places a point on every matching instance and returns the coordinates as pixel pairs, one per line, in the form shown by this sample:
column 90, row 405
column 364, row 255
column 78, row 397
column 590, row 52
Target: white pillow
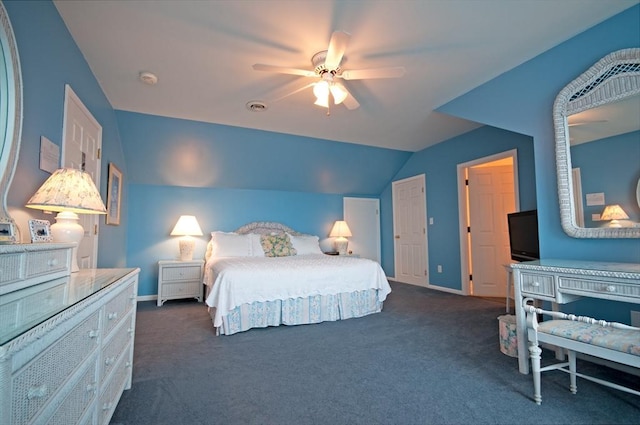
column 231, row 245
column 305, row 244
column 256, row 245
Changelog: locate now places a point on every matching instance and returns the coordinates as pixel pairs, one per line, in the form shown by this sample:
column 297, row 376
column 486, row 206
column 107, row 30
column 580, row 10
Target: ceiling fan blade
column 349, row 102
column 362, row 74
column 283, row 70
column 337, row 47
column 289, row 92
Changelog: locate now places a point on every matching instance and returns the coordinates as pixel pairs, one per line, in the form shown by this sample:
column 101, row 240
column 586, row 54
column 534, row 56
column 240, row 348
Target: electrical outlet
column 439, row 268
column 635, row 318
column 430, row 220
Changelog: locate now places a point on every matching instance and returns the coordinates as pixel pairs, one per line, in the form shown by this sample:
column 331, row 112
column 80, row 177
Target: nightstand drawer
column 181, row 273
column 180, row 290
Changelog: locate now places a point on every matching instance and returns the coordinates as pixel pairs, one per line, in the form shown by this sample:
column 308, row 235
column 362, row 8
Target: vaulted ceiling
column 202, row 53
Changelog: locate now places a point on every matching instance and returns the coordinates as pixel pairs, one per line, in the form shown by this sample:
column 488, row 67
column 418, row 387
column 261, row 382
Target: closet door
column 363, row 217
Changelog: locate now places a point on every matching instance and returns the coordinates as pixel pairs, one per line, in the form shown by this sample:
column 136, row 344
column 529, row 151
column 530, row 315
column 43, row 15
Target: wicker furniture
column 565, row 281
column 179, row 279
column 579, row 334
column 66, row 347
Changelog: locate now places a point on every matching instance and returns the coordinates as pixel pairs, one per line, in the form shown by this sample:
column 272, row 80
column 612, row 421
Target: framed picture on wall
column 40, row 231
column 114, row 195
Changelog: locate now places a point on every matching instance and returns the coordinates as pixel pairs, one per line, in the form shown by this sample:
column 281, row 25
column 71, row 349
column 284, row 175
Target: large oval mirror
column 10, row 121
column 597, row 127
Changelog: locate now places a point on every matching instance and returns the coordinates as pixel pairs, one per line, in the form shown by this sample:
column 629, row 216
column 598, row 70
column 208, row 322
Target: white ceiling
column 203, row 52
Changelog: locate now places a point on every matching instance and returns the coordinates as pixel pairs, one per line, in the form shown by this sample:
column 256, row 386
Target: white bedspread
column 235, row 281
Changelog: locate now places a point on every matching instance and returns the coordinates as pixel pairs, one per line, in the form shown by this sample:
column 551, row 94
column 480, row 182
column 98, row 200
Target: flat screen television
column 523, row 235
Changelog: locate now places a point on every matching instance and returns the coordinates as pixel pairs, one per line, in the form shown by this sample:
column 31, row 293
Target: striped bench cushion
column 626, row 341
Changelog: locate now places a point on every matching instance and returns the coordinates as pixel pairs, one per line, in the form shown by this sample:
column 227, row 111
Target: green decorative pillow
column 277, row 245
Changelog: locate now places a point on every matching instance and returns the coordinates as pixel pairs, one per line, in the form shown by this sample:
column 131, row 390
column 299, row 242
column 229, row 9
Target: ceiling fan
column 328, row 73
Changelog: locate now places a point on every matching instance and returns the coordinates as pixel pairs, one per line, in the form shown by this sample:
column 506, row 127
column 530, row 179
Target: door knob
column 397, row 236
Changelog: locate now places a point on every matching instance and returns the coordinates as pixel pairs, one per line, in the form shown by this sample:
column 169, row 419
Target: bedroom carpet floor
column 430, row 357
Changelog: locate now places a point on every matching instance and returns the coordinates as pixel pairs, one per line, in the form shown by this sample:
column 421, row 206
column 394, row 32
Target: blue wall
column 521, row 100
column 157, row 208
column 439, row 164
column 244, row 176
column 610, row 166
column 50, row 59
column 228, row 176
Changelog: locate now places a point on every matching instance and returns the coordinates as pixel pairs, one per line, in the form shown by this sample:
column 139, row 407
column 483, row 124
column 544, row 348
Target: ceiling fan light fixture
column 339, row 94
column 321, row 92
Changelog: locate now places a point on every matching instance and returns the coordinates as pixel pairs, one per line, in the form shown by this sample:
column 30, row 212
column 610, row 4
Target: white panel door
column 81, row 144
column 410, row 230
column 491, row 198
column 363, row 217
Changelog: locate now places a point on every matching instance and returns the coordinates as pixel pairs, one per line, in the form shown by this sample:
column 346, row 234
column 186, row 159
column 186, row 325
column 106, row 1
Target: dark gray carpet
column 429, row 358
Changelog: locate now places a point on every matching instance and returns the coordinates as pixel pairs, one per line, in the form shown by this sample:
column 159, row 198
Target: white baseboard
column 147, row 298
column 429, row 286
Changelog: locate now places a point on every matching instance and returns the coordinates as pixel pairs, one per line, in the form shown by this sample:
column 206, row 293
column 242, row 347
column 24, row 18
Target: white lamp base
column 341, row 245
column 187, row 246
column 67, row 229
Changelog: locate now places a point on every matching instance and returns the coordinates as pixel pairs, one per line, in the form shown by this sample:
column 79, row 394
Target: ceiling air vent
column 256, row 106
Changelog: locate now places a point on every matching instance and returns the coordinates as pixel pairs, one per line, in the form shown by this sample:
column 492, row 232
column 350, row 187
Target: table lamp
column 614, row 213
column 341, row 232
column 187, row 227
column 68, row 192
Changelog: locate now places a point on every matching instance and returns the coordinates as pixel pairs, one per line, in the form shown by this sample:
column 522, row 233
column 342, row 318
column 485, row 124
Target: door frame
column 463, row 208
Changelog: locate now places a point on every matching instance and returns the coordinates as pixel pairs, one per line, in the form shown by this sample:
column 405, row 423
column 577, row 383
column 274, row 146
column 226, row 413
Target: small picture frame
column 7, row 232
column 114, row 195
column 40, row 231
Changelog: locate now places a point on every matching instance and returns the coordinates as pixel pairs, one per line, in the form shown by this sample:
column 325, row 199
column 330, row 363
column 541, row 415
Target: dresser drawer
column 78, row 400
column 38, row 380
column 115, row 347
column 113, row 389
column 116, row 309
column 537, row 284
column 11, row 268
column 181, row 273
column 45, row 262
column 604, row 288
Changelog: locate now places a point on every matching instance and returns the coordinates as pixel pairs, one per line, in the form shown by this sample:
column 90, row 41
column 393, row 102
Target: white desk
column 564, row 281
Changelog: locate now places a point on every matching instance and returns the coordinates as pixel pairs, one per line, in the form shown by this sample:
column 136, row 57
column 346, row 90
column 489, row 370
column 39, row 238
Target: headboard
column 256, row 227
column 265, row 228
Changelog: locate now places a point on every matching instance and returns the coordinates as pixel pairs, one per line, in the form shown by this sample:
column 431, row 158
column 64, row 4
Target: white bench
column 579, row 334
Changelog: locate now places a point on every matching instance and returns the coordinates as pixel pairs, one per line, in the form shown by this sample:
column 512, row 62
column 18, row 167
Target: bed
column 266, row 274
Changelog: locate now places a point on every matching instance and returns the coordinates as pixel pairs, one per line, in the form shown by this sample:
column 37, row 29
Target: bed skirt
column 299, row 311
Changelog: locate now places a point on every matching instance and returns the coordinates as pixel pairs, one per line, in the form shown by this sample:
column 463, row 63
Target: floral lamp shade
column 68, row 189
column 68, row 192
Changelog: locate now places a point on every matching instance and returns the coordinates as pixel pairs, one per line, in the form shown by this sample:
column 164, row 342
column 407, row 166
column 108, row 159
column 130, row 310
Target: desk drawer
column 537, row 284
column 603, row 288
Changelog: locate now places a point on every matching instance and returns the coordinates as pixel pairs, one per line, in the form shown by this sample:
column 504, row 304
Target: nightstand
column 179, row 279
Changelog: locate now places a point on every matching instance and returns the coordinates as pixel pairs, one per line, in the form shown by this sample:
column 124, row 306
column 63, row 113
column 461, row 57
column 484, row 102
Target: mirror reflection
column 605, row 157
column 595, row 118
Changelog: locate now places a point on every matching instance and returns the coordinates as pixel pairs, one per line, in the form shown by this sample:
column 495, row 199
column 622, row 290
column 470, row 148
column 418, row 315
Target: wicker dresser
column 66, row 346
